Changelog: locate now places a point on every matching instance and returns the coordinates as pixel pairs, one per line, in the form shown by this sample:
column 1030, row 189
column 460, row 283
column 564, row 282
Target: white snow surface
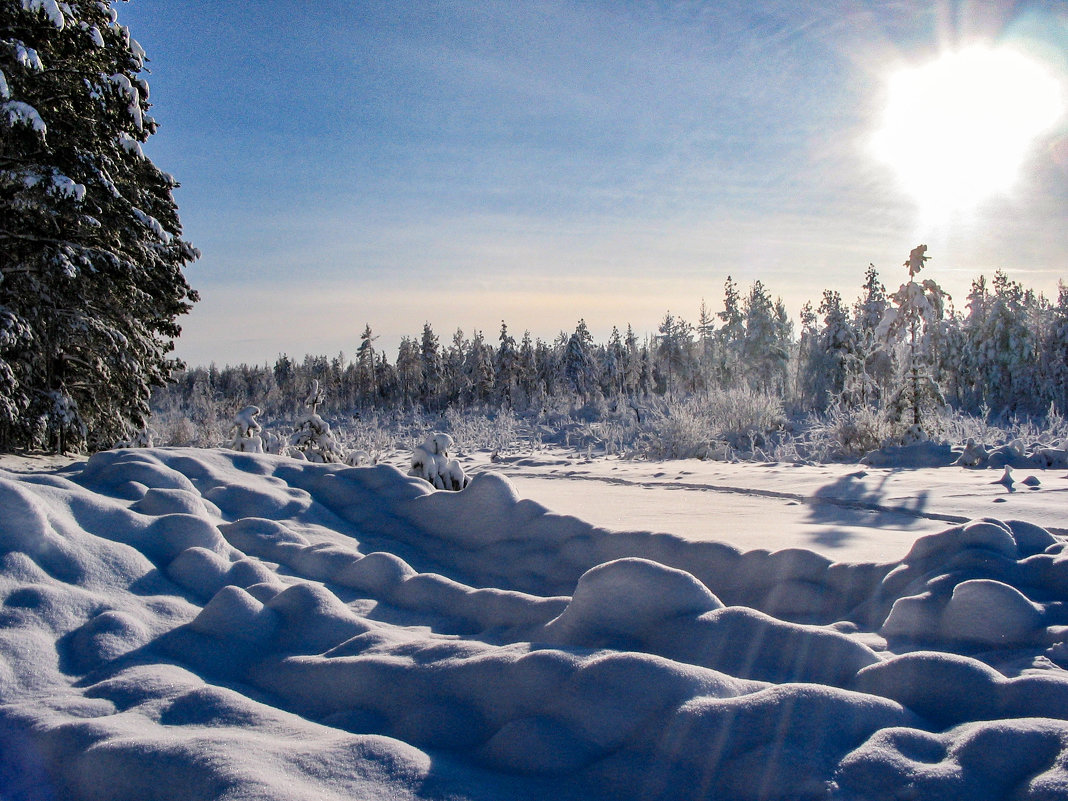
column 208, row 624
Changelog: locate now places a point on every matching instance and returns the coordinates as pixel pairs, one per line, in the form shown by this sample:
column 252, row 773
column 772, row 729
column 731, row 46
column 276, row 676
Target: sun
column 958, row 129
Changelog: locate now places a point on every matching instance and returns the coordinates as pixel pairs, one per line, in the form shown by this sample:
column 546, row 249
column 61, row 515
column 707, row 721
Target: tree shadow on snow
column 854, row 502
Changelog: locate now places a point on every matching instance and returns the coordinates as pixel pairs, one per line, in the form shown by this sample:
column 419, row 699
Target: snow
column 50, row 8
column 212, row 624
column 130, row 145
column 27, row 57
column 127, row 87
column 153, row 225
column 19, row 113
column 431, row 462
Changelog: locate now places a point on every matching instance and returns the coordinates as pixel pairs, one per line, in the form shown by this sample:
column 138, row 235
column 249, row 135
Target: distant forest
column 1004, row 352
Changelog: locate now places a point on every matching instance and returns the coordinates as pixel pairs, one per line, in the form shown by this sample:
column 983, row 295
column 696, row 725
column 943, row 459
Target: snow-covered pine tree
column 1053, row 359
column 868, row 385
column 765, row 347
column 1001, row 343
column 614, row 356
column 366, row 374
column 838, row 342
column 917, row 309
column 313, row 440
column 674, row 347
column 409, row 370
column 457, row 384
column 706, row 345
column 730, row 335
column 507, row 366
column 479, row 368
column 433, row 368
column 91, row 254
column 245, row 431
column 579, row 366
column 632, row 364
column 527, row 370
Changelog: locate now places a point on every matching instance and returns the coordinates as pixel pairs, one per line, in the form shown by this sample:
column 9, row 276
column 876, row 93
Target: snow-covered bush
column 849, row 433
column 144, row 438
column 176, row 431
column 359, row 458
column 313, row 439
column 275, row 443
column 497, row 432
column 64, row 423
column 431, row 462
column 246, row 430
column 714, row 426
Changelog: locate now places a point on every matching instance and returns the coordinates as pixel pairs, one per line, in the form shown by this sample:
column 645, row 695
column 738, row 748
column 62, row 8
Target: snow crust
column 228, row 625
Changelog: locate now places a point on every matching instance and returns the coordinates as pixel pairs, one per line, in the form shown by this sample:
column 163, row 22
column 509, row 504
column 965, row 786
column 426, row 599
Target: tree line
column 1005, row 352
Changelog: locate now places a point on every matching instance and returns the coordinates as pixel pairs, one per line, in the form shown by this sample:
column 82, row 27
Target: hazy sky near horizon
column 456, row 163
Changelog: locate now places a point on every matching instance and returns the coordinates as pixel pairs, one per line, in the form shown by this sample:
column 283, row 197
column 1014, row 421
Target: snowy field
column 205, row 624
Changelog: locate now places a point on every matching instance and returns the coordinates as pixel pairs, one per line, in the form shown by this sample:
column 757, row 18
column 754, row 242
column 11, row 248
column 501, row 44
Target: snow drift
column 218, row 625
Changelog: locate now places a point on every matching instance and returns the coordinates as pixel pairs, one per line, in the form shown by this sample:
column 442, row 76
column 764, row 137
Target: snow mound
column 179, row 619
column 627, row 597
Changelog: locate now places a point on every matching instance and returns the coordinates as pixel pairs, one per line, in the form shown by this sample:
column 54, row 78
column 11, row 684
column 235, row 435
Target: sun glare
column 958, row 130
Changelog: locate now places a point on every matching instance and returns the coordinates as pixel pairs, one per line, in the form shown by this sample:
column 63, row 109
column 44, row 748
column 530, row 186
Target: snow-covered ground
column 845, row 512
column 180, row 623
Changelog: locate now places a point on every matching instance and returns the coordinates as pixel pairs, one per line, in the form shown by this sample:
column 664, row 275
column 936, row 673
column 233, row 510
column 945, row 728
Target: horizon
column 460, row 164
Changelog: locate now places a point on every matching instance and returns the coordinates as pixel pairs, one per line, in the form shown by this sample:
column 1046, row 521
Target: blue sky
column 345, row 163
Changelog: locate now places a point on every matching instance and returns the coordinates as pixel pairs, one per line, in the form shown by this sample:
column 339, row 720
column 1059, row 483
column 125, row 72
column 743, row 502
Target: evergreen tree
column 674, row 347
column 528, row 367
column 765, row 347
column 706, row 344
column 876, row 363
column 916, row 311
column 409, row 370
column 837, row 344
column 1054, row 356
column 91, row 254
column 730, row 335
column 614, row 361
column 632, row 364
column 507, row 366
column 1001, row 343
column 579, row 367
column 366, row 378
column 433, row 372
column 479, row 368
column 809, row 367
column 457, row 383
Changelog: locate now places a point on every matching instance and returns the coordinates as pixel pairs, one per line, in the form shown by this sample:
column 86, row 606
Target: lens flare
column 958, row 130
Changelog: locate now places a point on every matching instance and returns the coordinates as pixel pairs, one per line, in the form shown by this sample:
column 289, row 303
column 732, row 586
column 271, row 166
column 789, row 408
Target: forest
column 739, row 380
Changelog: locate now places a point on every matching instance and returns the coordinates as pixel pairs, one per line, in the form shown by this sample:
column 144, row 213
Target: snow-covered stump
column 431, row 462
column 246, row 430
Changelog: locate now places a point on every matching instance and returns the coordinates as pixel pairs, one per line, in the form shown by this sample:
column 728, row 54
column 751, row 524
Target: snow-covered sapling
column 430, row 461
column 313, row 438
column 144, row 438
column 246, row 431
column 913, row 320
column 359, row 458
